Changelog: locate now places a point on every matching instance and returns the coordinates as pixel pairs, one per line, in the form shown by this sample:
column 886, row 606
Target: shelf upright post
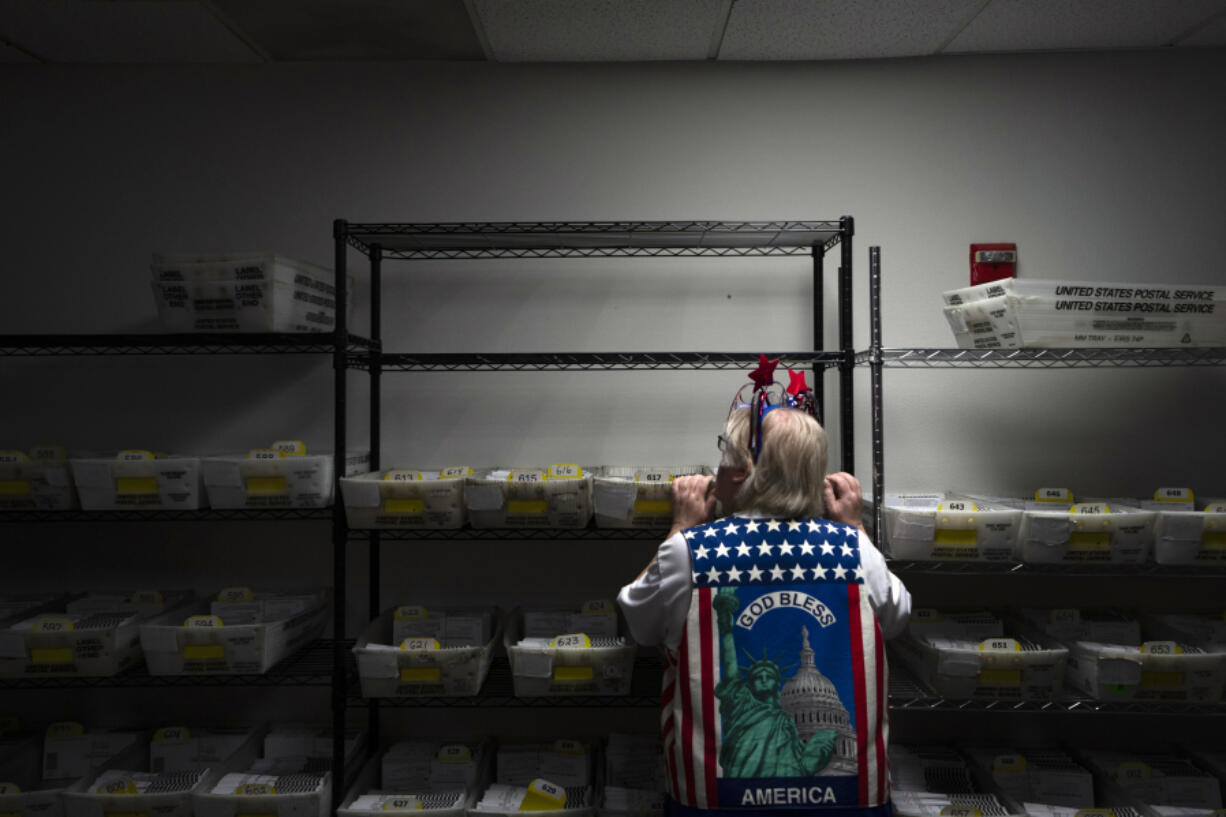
column 847, row 365
column 376, row 371
column 340, row 234
column 874, row 317
column 819, row 327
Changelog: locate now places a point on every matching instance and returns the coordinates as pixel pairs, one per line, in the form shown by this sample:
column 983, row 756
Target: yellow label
column 267, row 485
column 1089, row 540
column 526, row 476
column 58, row 655
column 410, row 612
column 573, row 673
column 135, row 455
column 203, row 621
column 204, row 652
column 237, row 593
column 1061, row 496
column 10, row 457
column 411, row 506
column 455, row 472
column 568, row 747
column 419, row 644
column 527, row 507
column 957, row 506
column 136, row 485
column 146, row 597
column 264, row 454
column 954, row 810
column 967, row 537
column 256, row 789
column 1000, row 645
column 1174, row 495
column 924, row 615
column 402, row 475
column 572, row 641
column 656, row 477
column 124, row 785
column 1094, row 812
column 595, row 606
column 290, row 448
column 172, row 734
column 455, row 753
column 1161, row 648
column 9, row 788
column 14, row 487
column 52, row 624
column 1090, row 508
column 1216, row 507
column 1009, row 763
column 406, row 803
column 997, row 677
column 65, row 729
column 49, row 452
column 1132, row 770
column 1162, row 679
column 653, row 507
column 543, row 796
column 421, row 675
column 565, row 470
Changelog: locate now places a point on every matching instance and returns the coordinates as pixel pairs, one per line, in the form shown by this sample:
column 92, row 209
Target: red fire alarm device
column 991, row 262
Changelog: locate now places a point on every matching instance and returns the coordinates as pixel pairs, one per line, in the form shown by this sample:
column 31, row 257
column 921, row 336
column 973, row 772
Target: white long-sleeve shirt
column 655, row 605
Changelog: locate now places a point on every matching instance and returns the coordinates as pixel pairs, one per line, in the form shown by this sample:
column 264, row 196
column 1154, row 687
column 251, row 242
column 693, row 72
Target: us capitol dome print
column 813, row 703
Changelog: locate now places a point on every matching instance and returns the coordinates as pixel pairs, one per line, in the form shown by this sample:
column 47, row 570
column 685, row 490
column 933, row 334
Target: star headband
column 767, row 395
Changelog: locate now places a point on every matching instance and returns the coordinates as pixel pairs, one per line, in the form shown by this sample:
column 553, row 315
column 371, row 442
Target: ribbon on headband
column 767, row 395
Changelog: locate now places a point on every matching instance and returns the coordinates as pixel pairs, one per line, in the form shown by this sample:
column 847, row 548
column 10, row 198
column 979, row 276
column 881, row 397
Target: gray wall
column 1105, row 167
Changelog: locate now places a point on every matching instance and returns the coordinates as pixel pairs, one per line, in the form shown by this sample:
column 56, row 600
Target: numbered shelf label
column 1132, row 770
column 236, row 594
column 1090, row 508
column 404, row 803
column 49, row 452
column 924, row 615
column 65, row 729
column 52, row 624
column 289, row 448
column 565, row 470
column 595, row 606
column 410, row 612
column 12, row 457
column 253, row 789
column 172, row 734
column 123, row 785
column 1000, row 645
column 957, row 506
column 146, row 597
column 134, row 455
column 954, row 810
column 203, row 621
column 569, row 747
column 264, row 454
column 526, row 476
column 1060, row 496
column 571, row 641
column 455, row 753
column 543, row 796
column 419, row 644
column 401, row 475
column 456, row 472
column 1161, row 648
column 656, row 476
column 1174, row 495
column 1009, row 763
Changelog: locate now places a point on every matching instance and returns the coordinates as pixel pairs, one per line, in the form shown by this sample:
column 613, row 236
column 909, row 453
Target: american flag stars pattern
column 750, row 551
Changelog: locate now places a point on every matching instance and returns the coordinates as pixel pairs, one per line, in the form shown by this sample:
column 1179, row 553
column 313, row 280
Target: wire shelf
column 358, row 350
column 600, row 361
column 498, row 692
column 1102, row 569
column 204, row 515
column 922, row 358
column 312, row 666
column 588, row 239
column 516, row 534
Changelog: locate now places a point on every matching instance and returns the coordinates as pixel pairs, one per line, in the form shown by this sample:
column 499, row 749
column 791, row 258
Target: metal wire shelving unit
column 378, row 242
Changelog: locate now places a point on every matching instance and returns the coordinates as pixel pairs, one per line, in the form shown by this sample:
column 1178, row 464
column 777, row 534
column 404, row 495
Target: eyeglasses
column 723, row 444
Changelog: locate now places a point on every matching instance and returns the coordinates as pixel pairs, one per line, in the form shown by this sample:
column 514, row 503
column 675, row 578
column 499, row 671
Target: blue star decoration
column 743, row 551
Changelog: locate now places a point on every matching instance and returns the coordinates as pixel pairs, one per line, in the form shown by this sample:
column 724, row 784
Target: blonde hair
column 788, row 477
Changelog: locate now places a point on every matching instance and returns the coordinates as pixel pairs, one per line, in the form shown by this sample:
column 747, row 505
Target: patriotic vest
column 776, row 697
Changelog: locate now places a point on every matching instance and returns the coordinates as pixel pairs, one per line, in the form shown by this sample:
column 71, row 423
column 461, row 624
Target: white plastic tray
column 528, row 498
column 566, row 671
column 387, row 673
column 395, row 498
column 36, row 484
column 109, row 484
column 948, row 527
column 637, row 496
column 300, row 481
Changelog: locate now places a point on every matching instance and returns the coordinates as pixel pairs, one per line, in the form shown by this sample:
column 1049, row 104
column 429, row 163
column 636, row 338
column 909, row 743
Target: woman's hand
column 841, row 495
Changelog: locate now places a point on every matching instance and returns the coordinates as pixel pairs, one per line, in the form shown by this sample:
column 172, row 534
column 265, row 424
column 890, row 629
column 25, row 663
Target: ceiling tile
column 599, row 30
column 1211, row 33
column 1050, row 25
column 122, row 31
column 321, row 30
column 833, row 30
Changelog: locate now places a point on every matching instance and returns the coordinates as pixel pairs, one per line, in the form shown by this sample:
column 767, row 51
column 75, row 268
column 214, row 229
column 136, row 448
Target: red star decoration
column 764, row 375
column 796, row 382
